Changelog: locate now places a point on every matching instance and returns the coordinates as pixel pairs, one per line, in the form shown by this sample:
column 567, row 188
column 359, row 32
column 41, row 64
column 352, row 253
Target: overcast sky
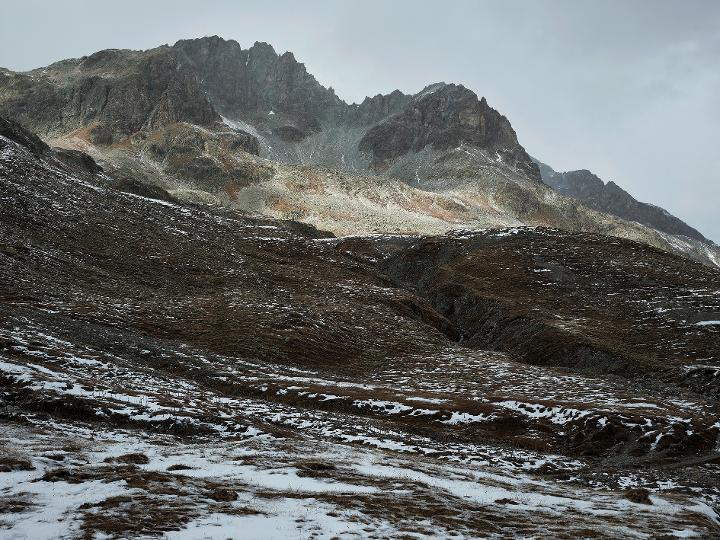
column 629, row 89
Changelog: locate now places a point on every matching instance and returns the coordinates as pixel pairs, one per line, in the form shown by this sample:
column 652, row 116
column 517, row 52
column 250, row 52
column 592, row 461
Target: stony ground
column 189, row 372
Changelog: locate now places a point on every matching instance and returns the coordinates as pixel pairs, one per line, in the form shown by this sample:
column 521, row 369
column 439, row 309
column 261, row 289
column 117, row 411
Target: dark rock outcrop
column 376, row 108
column 78, row 162
column 444, row 118
column 15, row 132
column 136, row 187
column 258, row 80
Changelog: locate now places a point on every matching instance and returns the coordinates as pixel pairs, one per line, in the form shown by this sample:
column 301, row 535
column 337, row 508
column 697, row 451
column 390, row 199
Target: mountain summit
column 120, row 93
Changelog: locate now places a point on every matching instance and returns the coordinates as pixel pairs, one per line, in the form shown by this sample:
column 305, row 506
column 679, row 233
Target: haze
column 628, row 90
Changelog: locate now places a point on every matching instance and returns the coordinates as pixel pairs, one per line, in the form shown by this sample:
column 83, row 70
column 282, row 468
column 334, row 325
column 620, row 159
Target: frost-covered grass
column 279, row 488
column 284, row 488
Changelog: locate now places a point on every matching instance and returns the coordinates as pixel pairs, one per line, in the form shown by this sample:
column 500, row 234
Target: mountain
column 612, row 199
column 178, row 369
column 210, row 122
column 445, row 117
column 117, row 93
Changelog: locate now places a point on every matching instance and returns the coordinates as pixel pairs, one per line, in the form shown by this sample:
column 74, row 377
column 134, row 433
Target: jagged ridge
column 611, row 198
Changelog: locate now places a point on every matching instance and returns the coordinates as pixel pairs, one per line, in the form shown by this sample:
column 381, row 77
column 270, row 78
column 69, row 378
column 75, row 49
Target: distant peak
column 445, row 91
column 204, row 39
column 264, row 47
column 612, row 186
column 430, row 89
column 210, row 45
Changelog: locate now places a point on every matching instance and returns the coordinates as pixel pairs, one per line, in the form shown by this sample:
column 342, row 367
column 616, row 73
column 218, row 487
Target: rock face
column 182, row 101
column 376, row 108
column 612, row 199
column 202, row 159
column 444, row 118
column 111, row 94
column 246, row 83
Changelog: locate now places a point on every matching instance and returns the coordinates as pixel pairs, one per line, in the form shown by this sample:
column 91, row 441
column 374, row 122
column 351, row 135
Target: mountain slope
column 612, row 199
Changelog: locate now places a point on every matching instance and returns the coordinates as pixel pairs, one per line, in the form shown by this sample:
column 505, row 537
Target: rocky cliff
column 445, row 117
column 110, row 95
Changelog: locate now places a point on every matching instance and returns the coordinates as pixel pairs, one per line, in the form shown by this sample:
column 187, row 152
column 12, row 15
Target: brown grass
column 15, row 463
column 126, row 516
column 134, row 459
column 14, row 505
column 638, row 496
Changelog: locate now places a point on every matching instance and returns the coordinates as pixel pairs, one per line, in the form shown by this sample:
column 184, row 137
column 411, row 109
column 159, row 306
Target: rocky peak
column 113, row 94
column 287, row 58
column 252, row 82
column 445, row 116
column 429, row 89
column 374, row 109
column 613, row 187
column 208, row 49
column 580, row 181
column 261, row 49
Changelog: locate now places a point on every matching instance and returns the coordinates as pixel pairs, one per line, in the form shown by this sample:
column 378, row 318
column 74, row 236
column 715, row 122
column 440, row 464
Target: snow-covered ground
column 121, row 483
column 195, row 463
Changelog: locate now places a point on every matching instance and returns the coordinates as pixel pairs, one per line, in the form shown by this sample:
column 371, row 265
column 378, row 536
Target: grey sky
column 628, row 89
